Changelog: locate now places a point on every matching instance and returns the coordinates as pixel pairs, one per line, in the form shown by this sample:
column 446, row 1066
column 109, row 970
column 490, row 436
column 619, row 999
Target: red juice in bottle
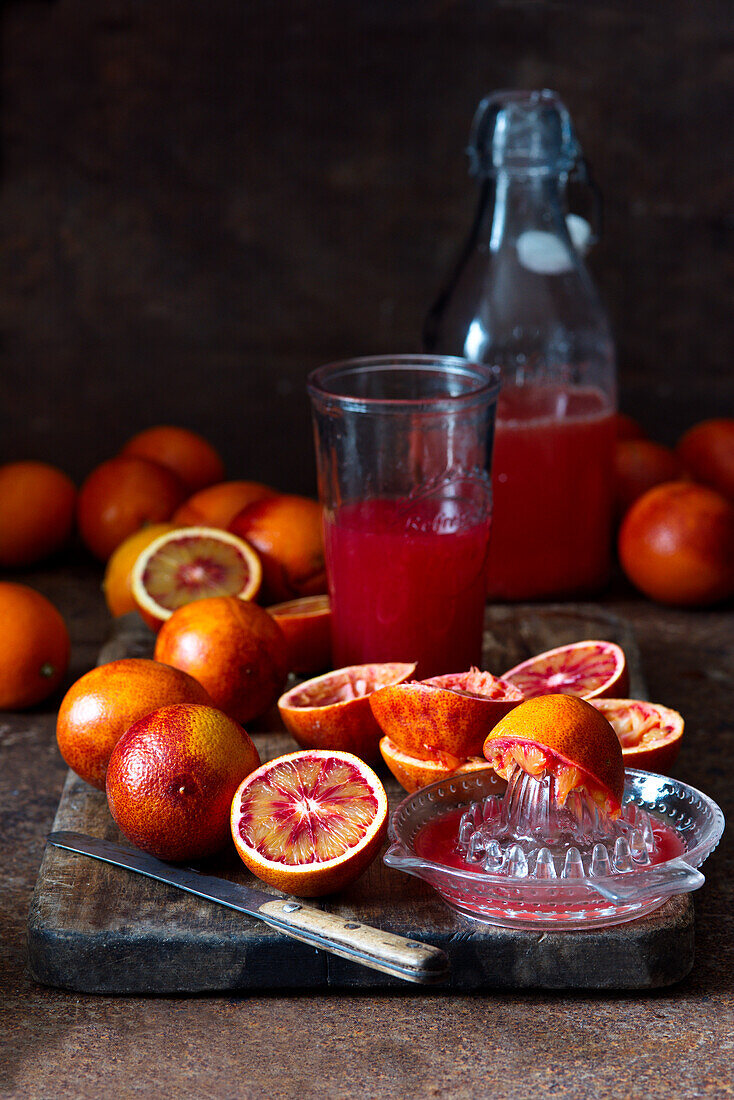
column 407, row 582
column 552, row 485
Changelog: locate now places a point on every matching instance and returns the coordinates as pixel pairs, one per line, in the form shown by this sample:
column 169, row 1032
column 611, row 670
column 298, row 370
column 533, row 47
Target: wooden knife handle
column 350, row 939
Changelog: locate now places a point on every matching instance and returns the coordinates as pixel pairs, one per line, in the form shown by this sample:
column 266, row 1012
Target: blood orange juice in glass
column 404, row 446
column 552, row 478
column 522, row 299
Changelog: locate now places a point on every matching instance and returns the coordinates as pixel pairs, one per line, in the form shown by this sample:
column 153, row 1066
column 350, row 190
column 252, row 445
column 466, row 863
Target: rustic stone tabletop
column 676, row 1042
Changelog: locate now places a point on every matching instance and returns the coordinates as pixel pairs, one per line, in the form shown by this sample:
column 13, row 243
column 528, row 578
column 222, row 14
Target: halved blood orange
column 412, row 773
column 566, row 737
column 192, row 563
column 586, row 669
column 306, row 626
column 310, row 822
column 649, row 733
column 447, row 716
column 333, row 711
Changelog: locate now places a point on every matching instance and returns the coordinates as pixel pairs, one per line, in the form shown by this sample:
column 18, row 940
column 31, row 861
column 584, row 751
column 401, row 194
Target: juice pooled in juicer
column 571, row 841
column 522, row 300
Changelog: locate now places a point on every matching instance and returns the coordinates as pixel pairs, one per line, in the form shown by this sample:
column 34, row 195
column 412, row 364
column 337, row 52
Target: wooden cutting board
column 99, row 929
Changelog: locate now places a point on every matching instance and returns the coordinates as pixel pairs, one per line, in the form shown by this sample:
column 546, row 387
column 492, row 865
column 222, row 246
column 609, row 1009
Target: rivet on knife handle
column 350, row 939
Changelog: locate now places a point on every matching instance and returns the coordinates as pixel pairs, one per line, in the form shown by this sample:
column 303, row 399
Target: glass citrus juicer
column 545, row 839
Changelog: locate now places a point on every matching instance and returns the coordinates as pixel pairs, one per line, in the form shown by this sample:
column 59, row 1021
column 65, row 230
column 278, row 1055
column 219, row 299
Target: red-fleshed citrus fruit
column 192, row 563
column 233, row 647
column 172, row 777
column 676, row 545
column 707, row 452
column 649, row 733
column 333, row 711
column 306, row 626
column 120, row 496
column 34, row 647
column 37, row 504
column 639, row 464
column 107, row 700
column 627, row 427
column 286, row 531
column 191, row 457
column 566, row 737
column 412, row 773
column 309, row 823
column 117, row 585
column 446, row 717
column 217, row 505
column 586, row 669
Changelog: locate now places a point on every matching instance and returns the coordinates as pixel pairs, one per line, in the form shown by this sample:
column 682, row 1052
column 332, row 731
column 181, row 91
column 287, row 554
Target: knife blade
column 350, row 939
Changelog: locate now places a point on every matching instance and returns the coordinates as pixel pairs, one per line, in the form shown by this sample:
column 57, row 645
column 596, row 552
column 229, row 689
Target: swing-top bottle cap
column 523, row 131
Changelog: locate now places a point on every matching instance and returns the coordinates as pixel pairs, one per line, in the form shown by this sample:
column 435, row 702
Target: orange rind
column 564, row 736
column 587, row 669
column 333, row 711
column 311, row 822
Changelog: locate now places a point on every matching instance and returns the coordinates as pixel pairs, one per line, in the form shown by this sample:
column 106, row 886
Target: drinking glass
column 403, row 449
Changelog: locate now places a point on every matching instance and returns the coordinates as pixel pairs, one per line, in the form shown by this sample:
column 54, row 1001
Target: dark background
column 203, row 200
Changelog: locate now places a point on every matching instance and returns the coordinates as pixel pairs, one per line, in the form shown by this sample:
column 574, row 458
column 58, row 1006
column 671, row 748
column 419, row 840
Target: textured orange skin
column 312, row 881
column 306, row 626
column 34, row 647
column 640, row 464
column 37, row 504
column 120, row 496
column 287, row 533
column 413, row 773
column 344, row 726
column 217, row 505
column 571, row 728
column 676, row 545
column 171, row 780
column 231, row 646
column 102, row 704
column 116, row 585
column 707, row 452
column 429, row 721
column 656, row 757
column 191, row 457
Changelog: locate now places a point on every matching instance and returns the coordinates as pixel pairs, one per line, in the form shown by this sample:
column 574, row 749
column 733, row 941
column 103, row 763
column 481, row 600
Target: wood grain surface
column 96, row 928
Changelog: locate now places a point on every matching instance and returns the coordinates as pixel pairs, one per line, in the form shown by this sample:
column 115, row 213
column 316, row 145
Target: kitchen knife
column 350, row 939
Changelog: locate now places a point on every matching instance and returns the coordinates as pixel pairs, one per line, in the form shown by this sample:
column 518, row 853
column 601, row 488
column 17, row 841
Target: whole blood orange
column 649, row 733
column 333, row 711
column 412, row 772
column 566, row 737
column 120, row 496
column 586, row 669
column 627, row 427
column 311, row 822
column 102, row 704
column 233, row 647
column 286, row 531
column 191, row 457
column 217, row 505
column 707, row 452
column 446, row 716
column 34, row 647
column 676, row 545
column 36, row 512
column 192, row 563
column 306, row 626
column 117, row 585
column 639, row 464
column 172, row 777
